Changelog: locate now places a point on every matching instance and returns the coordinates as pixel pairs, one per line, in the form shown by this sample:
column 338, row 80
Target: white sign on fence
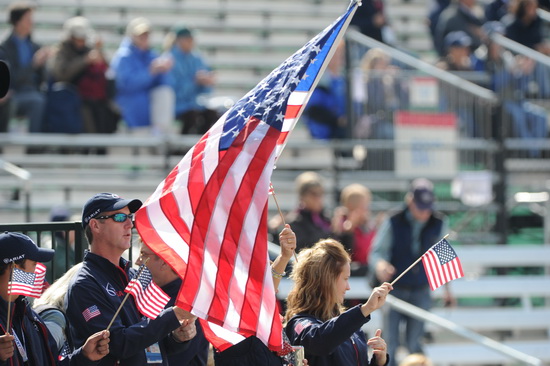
column 425, row 144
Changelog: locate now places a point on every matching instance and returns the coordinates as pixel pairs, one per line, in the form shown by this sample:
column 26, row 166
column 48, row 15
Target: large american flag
column 441, row 264
column 208, row 218
column 150, row 299
column 27, row 283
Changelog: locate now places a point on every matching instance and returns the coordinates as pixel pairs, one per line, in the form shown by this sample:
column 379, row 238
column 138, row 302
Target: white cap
column 78, row 27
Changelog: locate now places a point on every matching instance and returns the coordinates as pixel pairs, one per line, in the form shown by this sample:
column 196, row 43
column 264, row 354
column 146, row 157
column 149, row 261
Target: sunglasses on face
column 118, row 217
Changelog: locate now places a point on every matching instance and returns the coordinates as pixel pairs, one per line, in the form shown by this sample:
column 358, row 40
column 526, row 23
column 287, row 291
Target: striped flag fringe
column 208, row 218
column 26, row 283
column 441, row 264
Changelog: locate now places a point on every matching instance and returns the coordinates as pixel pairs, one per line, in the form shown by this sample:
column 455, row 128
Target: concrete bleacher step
column 495, row 319
column 458, row 354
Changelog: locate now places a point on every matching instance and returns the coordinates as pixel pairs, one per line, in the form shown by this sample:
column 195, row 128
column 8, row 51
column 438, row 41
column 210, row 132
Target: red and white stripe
column 438, row 274
column 151, row 301
column 211, row 220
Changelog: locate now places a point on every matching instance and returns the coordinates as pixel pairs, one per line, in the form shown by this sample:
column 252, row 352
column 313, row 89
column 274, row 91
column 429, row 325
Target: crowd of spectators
column 462, row 32
column 72, row 86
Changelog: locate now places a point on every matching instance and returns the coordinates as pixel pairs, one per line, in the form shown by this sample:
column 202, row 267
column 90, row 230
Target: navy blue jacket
column 196, row 353
column 336, row 342
column 23, row 77
column 39, row 343
column 94, row 297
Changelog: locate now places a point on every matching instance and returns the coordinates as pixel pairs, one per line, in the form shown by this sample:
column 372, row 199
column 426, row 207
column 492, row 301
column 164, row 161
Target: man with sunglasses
column 97, row 291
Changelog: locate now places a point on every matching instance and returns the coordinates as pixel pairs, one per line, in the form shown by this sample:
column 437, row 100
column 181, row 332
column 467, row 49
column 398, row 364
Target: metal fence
column 416, row 107
column 66, row 238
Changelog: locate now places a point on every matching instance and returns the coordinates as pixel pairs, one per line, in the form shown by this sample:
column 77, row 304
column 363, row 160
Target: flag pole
column 415, row 262
column 8, row 320
column 128, row 293
column 281, row 214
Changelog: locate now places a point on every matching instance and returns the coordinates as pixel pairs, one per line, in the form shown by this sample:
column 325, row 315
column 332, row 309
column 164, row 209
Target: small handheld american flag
column 26, row 283
column 441, row 264
column 150, row 299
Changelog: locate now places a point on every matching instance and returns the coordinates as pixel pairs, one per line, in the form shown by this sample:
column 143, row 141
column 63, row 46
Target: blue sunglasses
column 118, row 217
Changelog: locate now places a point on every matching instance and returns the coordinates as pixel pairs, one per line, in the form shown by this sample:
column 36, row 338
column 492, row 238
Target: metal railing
column 23, row 175
column 423, row 315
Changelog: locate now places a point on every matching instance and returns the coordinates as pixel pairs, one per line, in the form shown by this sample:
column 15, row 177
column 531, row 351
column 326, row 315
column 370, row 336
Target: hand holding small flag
column 7, row 347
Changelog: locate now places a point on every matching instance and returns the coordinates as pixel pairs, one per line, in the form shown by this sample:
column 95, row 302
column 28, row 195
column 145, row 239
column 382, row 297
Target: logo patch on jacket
column 110, row 289
column 91, row 312
column 301, row 325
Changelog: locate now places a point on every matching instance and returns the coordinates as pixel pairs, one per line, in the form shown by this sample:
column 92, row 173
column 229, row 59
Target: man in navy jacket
column 27, row 341
column 98, row 290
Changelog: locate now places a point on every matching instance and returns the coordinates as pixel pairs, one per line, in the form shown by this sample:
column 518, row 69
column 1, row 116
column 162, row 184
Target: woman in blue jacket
column 316, row 318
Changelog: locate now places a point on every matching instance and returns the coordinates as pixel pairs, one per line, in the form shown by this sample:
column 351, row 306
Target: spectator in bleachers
column 353, row 225
column 525, row 26
column 192, row 81
column 308, row 220
column 458, row 55
column 26, row 60
column 401, row 240
column 62, row 242
column 495, row 10
column 325, row 113
column 384, row 95
column 371, row 20
column 143, row 91
column 516, row 79
column 464, row 15
column 434, row 14
column 459, row 58
column 82, row 66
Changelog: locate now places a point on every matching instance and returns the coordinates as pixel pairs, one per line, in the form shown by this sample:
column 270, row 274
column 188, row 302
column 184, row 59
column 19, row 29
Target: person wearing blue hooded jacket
column 192, row 81
column 143, row 93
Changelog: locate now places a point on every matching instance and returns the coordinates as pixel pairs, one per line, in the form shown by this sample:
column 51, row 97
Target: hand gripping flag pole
column 272, row 192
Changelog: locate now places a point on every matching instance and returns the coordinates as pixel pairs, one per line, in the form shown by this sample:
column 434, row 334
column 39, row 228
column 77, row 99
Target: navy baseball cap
column 103, row 202
column 182, row 31
column 423, row 194
column 16, row 246
column 457, row 39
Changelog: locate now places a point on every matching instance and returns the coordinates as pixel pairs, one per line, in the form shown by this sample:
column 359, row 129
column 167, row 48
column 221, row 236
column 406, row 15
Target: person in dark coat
column 97, row 291
column 26, row 60
column 308, row 220
column 27, row 341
